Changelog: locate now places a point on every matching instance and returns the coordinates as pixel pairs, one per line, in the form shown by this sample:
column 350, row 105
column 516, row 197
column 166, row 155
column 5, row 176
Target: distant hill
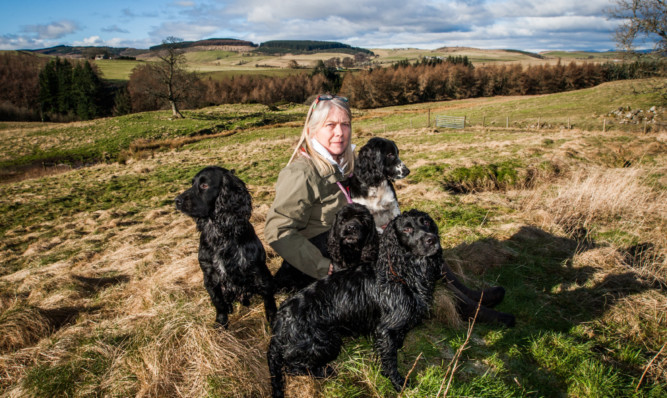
column 208, row 43
column 308, row 46
column 88, row 51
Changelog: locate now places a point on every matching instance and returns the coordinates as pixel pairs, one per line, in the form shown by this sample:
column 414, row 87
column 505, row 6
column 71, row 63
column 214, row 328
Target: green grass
column 106, row 139
column 564, row 343
column 117, row 69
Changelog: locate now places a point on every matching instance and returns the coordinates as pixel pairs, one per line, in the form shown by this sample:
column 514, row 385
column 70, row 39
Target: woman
column 309, row 192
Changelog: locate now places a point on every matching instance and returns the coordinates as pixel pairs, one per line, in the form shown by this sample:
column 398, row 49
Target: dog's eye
column 203, row 185
column 390, row 155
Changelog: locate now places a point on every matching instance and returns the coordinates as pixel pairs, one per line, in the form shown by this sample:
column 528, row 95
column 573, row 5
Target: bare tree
column 176, row 81
column 642, row 18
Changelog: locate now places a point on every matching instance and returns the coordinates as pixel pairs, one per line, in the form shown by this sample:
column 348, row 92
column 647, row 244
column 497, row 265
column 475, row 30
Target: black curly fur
column 377, row 166
column 385, row 301
column 353, row 239
column 231, row 255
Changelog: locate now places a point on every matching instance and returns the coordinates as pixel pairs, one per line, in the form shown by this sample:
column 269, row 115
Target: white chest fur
column 382, row 204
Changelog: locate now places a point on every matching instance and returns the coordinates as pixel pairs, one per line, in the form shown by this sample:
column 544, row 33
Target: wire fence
column 476, row 122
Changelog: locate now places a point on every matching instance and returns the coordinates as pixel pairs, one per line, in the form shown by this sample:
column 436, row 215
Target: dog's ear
column 333, row 244
column 233, row 199
column 389, row 238
column 370, row 248
column 369, row 169
column 369, row 251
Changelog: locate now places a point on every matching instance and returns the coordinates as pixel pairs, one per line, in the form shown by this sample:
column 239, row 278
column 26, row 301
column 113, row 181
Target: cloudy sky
column 530, row 25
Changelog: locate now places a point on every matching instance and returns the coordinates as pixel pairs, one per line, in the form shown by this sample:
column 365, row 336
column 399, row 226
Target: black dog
column 230, row 254
column 351, row 241
column 378, row 165
column 386, row 301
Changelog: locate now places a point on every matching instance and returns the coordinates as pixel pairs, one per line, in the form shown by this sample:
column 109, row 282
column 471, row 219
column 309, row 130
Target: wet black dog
column 230, row 253
column 385, row 301
column 351, row 241
column 377, row 166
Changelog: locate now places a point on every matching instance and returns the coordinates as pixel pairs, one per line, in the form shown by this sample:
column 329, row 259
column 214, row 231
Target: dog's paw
column 507, row 319
column 493, row 296
column 324, row 372
column 399, row 382
column 221, row 321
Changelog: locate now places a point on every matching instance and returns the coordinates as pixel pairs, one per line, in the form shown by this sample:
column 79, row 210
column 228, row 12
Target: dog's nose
column 178, row 201
column 405, row 171
column 352, row 228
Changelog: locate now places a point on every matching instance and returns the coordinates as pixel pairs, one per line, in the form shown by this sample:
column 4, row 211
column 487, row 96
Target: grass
column 101, row 292
column 117, row 69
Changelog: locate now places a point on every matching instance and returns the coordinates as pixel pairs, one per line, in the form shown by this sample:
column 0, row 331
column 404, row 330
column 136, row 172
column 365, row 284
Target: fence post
column 538, row 123
column 569, row 126
column 465, row 116
column 604, row 125
column 507, row 122
column 429, row 117
column 483, row 120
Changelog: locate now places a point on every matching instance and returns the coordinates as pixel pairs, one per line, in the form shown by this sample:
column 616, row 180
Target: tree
column 642, row 18
column 177, row 83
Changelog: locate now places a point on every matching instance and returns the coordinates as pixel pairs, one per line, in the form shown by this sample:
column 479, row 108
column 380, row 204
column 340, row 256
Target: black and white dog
column 230, row 253
column 385, row 300
column 378, row 166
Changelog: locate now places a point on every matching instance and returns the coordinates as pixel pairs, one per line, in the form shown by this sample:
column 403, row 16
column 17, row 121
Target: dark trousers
column 289, row 278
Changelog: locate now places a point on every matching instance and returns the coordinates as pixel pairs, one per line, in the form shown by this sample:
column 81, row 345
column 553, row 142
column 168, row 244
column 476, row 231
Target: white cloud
column 89, row 41
column 54, row 30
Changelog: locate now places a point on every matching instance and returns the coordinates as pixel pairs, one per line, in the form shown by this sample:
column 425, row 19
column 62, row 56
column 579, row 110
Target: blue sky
column 530, row 25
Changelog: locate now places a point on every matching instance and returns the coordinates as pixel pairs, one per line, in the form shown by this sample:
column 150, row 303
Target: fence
column 451, row 122
column 394, row 122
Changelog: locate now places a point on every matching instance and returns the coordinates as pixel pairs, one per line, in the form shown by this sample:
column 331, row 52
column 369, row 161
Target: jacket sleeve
column 290, row 212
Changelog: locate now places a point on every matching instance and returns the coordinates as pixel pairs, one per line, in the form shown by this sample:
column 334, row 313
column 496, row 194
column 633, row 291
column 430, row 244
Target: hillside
column 228, row 57
column 101, row 292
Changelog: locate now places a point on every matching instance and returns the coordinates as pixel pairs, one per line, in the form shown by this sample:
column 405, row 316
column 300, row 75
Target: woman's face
column 335, row 133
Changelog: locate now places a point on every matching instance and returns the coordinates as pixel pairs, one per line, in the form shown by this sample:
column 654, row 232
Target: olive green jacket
column 305, row 206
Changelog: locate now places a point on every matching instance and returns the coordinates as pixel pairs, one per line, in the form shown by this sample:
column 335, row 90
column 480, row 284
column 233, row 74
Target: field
column 218, row 63
column 101, row 293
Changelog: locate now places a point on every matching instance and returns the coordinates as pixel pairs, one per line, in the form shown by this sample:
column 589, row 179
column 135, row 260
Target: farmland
column 101, row 292
column 219, row 63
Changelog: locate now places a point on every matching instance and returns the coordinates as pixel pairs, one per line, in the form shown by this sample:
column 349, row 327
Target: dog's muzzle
column 402, row 171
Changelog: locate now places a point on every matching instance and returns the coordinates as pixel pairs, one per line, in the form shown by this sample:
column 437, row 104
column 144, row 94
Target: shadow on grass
column 550, row 298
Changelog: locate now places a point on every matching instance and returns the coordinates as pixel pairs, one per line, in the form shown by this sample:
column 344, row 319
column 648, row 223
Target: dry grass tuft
column 606, row 194
column 22, row 326
column 444, row 308
column 185, row 358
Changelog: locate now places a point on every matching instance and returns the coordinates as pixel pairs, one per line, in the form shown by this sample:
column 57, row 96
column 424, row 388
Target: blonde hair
column 317, row 115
